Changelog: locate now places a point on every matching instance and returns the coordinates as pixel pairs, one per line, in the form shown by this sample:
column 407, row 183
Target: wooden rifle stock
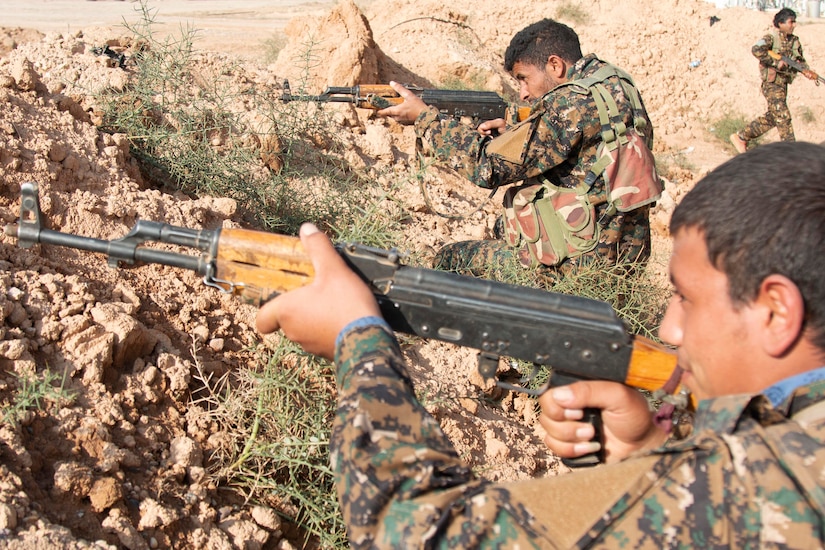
column 255, row 265
column 651, row 364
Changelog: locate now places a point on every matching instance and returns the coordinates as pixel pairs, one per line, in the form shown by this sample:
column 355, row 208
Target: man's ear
column 783, row 314
column 556, row 67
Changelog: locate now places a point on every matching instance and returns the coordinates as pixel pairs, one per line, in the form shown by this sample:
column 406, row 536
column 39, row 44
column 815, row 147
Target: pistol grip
column 594, row 417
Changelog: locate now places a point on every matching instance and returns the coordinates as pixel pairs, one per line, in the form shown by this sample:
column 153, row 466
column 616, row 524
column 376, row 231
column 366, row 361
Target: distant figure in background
column 776, row 75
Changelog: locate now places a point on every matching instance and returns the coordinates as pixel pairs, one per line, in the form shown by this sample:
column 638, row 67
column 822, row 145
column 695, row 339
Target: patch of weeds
column 727, row 125
column 639, row 298
column 196, row 127
column 573, row 13
column 34, row 392
column 475, row 81
column 378, row 222
column 665, row 163
column 805, row 114
column 722, row 128
column 273, row 46
column 275, row 426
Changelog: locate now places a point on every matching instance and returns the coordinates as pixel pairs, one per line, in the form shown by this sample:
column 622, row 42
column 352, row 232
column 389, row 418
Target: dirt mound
column 124, row 463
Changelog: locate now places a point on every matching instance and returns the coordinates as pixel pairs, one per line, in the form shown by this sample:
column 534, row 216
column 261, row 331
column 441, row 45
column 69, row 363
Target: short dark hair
column 783, row 15
column 763, row 213
column 535, row 43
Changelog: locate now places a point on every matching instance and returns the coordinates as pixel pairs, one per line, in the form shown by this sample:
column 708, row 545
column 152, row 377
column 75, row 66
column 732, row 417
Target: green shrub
column 806, row 114
column 727, row 125
column 34, row 392
column 195, row 127
column 572, row 12
column 276, row 426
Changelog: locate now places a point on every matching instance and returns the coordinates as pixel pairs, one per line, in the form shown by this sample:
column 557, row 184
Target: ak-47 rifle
column 479, row 106
column 578, row 338
column 795, row 64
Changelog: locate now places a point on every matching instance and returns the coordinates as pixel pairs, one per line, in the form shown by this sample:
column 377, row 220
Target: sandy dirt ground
column 223, row 25
column 126, row 464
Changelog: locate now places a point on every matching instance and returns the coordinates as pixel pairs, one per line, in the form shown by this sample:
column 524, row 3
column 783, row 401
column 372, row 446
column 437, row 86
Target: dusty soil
column 125, row 463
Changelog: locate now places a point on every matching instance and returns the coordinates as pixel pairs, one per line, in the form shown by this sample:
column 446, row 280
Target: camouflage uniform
column 562, row 148
column 775, row 85
column 749, row 477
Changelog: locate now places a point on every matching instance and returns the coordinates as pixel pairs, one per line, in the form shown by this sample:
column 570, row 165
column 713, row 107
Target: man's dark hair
column 763, row 213
column 783, row 15
column 535, row 43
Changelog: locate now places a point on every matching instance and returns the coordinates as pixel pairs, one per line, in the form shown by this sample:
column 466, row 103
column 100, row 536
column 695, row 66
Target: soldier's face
column 715, row 337
column 533, row 81
column 787, row 26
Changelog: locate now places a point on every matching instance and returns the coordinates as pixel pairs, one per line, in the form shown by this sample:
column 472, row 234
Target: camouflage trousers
column 778, row 114
column 625, row 238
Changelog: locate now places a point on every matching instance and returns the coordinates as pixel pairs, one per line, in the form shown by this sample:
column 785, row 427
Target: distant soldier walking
column 776, row 75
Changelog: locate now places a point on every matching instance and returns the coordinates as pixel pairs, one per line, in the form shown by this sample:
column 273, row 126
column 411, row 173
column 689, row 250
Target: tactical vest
column 771, row 74
column 549, row 223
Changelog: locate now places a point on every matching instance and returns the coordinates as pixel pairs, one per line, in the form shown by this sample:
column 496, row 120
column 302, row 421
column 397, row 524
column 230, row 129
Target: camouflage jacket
column 749, row 477
column 564, row 136
column 788, row 45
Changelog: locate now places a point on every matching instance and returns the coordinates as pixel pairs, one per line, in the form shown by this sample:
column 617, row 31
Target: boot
column 738, row 143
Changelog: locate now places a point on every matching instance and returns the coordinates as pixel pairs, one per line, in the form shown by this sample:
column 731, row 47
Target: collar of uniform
column 723, row 414
column 720, row 414
column 583, row 67
column 804, row 396
column 779, row 392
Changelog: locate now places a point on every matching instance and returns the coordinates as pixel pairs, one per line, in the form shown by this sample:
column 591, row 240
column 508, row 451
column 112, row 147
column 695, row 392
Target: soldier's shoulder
column 765, row 40
column 558, row 103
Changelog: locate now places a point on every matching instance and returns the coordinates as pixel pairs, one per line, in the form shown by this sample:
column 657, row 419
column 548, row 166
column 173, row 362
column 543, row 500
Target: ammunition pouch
column 549, row 224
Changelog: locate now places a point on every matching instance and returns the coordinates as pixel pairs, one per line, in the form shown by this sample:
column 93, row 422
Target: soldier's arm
column 383, row 442
column 761, row 48
column 801, row 58
column 467, row 152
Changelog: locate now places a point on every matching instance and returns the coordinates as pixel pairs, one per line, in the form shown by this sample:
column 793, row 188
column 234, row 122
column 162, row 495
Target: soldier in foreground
column 551, row 153
column 776, row 74
column 748, row 318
